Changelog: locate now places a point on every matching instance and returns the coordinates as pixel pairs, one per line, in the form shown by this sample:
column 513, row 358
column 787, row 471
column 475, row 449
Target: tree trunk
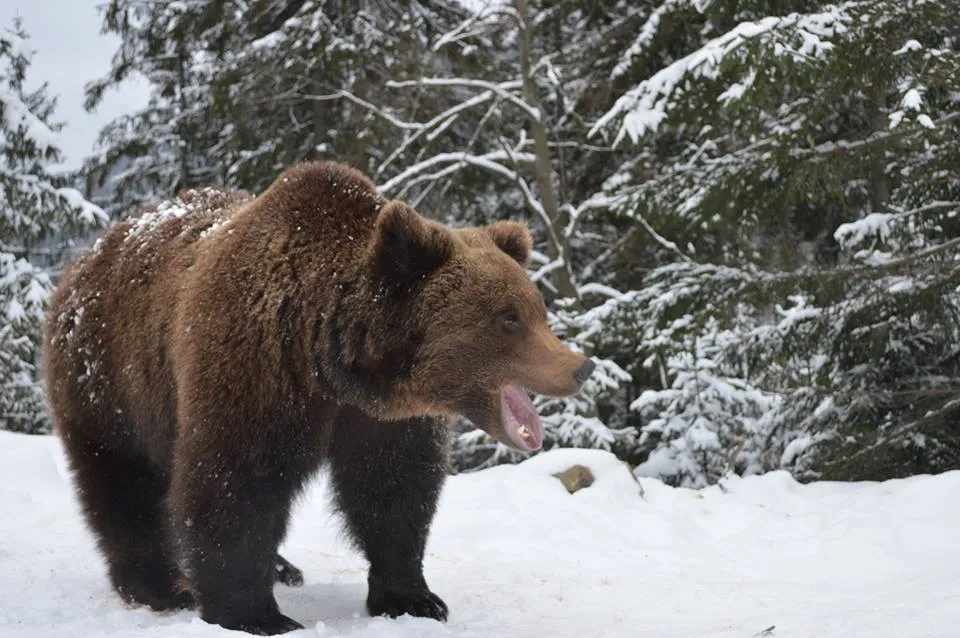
column 184, row 150
column 879, row 184
column 562, row 277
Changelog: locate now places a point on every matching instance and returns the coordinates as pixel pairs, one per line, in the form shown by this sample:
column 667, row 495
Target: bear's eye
column 511, row 322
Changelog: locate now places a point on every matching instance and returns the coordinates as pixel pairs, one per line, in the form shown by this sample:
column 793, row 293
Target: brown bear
column 204, row 360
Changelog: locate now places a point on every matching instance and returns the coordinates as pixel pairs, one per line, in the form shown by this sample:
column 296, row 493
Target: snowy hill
column 515, row 556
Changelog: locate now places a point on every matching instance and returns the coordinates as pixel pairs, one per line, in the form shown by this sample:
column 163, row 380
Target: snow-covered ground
column 515, row 556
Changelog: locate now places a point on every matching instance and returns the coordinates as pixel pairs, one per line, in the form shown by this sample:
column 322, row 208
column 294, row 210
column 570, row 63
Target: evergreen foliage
column 36, row 209
column 811, row 213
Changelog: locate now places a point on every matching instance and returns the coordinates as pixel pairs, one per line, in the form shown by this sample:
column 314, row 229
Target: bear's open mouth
column 520, row 420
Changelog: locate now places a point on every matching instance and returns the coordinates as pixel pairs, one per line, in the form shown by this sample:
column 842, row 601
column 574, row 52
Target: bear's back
column 107, row 329
column 325, row 202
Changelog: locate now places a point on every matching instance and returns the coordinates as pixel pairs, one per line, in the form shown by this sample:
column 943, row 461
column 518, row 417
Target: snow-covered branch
column 646, row 35
column 475, row 24
column 878, row 224
column 644, row 107
column 489, row 161
column 18, row 116
column 34, row 187
column 339, row 95
column 502, row 89
column 595, row 288
column 879, row 137
column 437, row 122
column 546, row 269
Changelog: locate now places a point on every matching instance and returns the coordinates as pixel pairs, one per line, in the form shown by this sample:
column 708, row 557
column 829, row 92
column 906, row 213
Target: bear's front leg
column 229, row 516
column 387, row 478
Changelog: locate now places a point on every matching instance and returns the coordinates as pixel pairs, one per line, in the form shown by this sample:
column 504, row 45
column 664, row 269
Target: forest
column 745, row 211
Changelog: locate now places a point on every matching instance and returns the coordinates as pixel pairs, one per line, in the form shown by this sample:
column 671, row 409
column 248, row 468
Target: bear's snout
column 550, row 368
column 583, row 373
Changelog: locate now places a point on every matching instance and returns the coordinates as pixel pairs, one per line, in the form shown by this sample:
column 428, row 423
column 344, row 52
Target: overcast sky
column 69, row 52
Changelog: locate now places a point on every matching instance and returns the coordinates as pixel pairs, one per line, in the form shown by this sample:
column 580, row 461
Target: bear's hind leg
column 387, row 479
column 288, row 573
column 123, row 501
column 229, row 517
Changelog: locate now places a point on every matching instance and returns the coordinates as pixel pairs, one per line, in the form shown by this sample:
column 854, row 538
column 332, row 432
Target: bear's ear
column 512, row 238
column 406, row 247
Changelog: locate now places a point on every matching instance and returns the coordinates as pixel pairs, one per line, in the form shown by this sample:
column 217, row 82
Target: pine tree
column 171, row 143
column 301, row 82
column 36, row 206
column 241, row 90
column 799, row 171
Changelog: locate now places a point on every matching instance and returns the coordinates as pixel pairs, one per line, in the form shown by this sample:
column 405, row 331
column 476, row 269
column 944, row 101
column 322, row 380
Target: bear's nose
column 583, row 372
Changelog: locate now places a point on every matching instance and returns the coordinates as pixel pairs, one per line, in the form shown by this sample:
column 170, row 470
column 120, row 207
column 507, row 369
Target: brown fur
column 200, row 368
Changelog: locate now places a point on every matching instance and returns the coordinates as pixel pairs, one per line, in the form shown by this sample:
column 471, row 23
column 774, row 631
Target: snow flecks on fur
column 172, row 209
column 214, row 227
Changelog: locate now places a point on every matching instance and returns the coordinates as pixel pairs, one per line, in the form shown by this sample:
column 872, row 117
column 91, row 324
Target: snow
column 88, row 213
column 856, row 232
column 514, row 555
column 19, row 116
column 647, row 32
column 214, row 227
column 737, row 90
column 15, row 311
column 794, row 449
column 479, row 6
column 908, row 46
column 912, row 100
column 599, row 289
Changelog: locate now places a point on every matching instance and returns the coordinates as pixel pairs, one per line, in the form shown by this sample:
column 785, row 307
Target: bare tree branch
column 488, row 161
column 342, row 94
column 502, row 89
column 444, row 118
column 542, row 166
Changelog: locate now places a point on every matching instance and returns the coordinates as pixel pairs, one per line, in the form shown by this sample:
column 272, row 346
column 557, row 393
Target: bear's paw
column 421, row 603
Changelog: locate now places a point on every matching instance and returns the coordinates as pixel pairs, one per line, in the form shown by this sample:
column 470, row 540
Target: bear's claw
column 423, row 604
column 287, row 573
column 172, row 601
column 269, row 626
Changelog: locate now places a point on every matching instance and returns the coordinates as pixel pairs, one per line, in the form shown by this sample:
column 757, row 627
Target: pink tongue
column 520, row 420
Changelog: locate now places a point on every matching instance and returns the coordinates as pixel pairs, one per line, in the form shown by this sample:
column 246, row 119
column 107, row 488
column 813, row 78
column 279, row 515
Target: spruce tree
column 799, row 171
column 37, row 210
column 171, row 143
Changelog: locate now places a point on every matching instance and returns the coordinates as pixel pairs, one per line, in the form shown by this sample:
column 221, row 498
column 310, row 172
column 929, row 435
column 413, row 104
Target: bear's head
column 476, row 324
